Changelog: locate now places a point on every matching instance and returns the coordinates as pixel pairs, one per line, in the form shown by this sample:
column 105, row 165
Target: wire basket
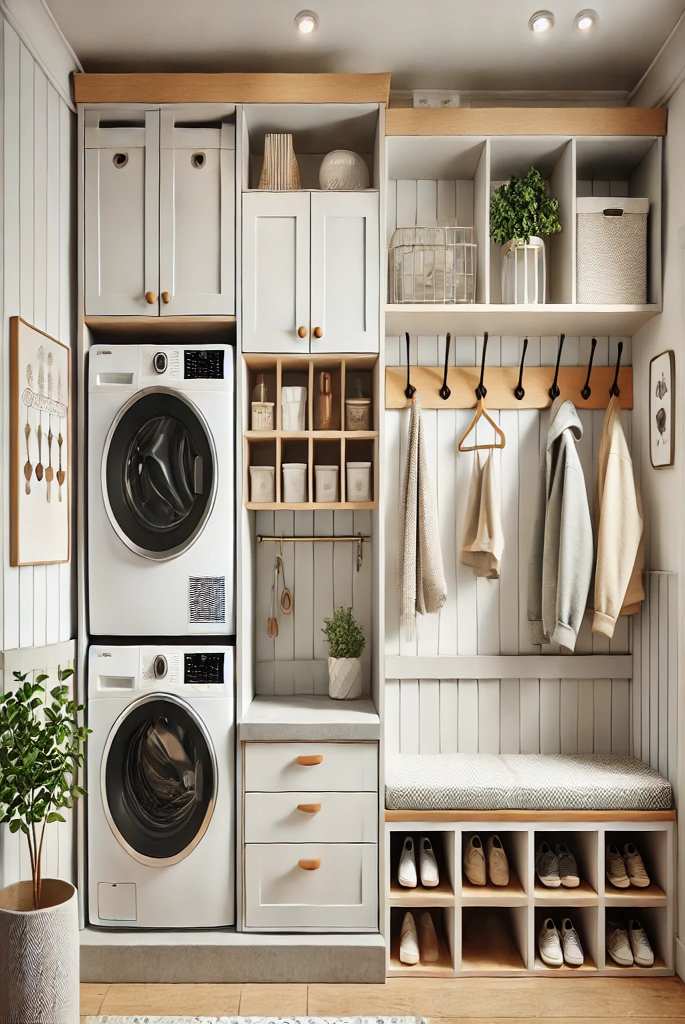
column 433, row 264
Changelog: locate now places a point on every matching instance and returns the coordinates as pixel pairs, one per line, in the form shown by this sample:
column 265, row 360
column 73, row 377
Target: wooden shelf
column 583, row 896
column 490, row 946
column 214, row 328
column 482, row 121
column 512, row 895
column 589, row 967
column 311, row 506
column 442, row 967
column 659, row 969
column 651, row 896
column 537, row 321
column 316, row 435
column 441, row 895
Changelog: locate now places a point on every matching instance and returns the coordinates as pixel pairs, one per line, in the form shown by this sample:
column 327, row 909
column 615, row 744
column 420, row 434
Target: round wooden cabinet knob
column 308, row 760
column 302, row 332
column 150, row 298
column 166, row 298
column 309, row 865
column 309, row 808
column 318, row 332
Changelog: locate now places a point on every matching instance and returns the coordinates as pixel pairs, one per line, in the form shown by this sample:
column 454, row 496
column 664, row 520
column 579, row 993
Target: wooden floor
column 581, row 1000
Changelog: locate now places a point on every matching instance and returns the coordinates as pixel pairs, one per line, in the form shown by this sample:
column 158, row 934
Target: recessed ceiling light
column 541, row 21
column 307, row 22
column 586, row 20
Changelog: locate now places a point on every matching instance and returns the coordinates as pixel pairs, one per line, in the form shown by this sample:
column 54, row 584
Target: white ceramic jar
column 262, row 483
column 326, row 480
column 293, row 409
column 358, row 481
column 294, row 482
column 262, row 415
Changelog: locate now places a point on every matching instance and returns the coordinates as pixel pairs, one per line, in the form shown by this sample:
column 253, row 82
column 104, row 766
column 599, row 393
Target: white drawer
column 301, row 886
column 303, row 767
column 311, row 817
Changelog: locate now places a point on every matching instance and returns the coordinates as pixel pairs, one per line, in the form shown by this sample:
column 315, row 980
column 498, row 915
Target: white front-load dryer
column 160, row 786
column 160, row 490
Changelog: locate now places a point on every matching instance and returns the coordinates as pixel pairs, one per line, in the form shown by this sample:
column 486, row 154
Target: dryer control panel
column 207, row 667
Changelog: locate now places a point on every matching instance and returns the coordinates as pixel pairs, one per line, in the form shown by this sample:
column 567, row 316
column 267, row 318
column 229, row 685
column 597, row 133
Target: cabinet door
column 121, row 210
column 344, row 281
column 196, row 219
column 275, row 271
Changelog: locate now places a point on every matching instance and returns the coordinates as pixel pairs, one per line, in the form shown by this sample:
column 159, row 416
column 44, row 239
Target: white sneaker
column 428, row 939
column 568, row 867
column 618, row 946
column 639, row 943
column 635, row 867
column 474, row 861
column 409, row 941
column 549, row 944
column 428, row 865
column 547, row 866
column 498, row 865
column 406, row 873
column 570, row 941
column 616, row 868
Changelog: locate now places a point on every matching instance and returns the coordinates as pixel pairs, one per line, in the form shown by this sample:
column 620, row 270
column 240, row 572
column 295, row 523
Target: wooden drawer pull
column 309, row 808
column 318, row 332
column 307, row 760
column 150, row 298
column 166, row 298
column 309, row 865
column 302, row 332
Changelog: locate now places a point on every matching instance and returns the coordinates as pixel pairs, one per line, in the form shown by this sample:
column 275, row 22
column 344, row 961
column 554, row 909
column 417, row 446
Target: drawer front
column 307, row 767
column 303, row 886
column 310, row 817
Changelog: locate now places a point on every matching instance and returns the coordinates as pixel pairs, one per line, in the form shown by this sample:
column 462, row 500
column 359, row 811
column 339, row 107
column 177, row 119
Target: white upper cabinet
column 159, row 214
column 344, row 272
column 275, row 312
column 122, row 215
column 310, row 272
column 196, row 218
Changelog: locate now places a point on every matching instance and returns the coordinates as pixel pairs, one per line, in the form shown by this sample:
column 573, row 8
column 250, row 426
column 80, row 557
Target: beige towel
column 424, row 589
column 483, row 542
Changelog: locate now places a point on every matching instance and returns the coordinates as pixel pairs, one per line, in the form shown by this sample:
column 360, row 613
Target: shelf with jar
column 312, row 442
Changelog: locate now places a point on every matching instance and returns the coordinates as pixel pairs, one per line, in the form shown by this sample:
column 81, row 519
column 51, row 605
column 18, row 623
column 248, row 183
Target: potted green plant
column 346, row 641
column 522, row 215
column 42, row 743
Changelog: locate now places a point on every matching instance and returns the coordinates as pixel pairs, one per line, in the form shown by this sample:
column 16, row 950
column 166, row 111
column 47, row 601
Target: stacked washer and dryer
column 160, row 703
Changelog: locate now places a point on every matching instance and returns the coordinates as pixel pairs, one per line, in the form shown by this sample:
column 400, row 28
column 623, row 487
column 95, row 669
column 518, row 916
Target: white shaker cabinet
column 310, row 272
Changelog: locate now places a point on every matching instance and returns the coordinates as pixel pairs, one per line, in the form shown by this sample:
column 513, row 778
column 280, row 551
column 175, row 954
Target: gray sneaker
column 547, row 866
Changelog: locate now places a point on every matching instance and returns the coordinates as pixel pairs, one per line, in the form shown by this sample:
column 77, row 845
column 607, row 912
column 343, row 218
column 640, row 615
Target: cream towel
column 483, row 542
column 424, row 589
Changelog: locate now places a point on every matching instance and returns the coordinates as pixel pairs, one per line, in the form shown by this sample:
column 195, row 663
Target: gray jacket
column 562, row 556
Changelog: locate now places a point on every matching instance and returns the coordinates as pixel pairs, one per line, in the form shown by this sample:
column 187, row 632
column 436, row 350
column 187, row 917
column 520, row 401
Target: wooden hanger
column 482, row 413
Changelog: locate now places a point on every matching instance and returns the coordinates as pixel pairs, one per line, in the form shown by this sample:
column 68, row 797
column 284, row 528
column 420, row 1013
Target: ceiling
column 481, row 45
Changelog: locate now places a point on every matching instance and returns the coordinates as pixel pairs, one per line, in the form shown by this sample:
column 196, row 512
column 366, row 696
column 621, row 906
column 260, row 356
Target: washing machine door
column 159, row 779
column 159, row 473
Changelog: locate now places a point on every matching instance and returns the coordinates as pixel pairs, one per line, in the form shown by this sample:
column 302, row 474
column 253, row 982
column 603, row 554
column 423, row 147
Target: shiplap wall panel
column 490, row 616
column 37, row 258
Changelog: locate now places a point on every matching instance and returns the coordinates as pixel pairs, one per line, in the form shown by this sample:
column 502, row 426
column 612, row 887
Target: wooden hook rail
column 354, row 538
column 502, row 382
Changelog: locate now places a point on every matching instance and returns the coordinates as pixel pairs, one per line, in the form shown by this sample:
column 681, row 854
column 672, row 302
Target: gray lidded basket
column 611, row 250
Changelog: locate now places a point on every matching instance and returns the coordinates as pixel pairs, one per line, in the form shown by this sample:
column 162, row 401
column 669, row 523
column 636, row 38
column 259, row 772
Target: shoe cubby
column 655, row 922
column 308, row 427
column 494, row 940
column 584, row 845
column 515, row 846
column 653, row 848
column 586, row 921
column 443, row 922
column 442, row 894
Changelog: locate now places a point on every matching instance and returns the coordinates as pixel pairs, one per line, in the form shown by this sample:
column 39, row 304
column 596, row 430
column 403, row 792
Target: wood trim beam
column 523, row 666
column 231, row 88
column 577, row 121
column 523, row 815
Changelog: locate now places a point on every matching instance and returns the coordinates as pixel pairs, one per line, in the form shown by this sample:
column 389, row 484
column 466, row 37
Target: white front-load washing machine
column 160, row 490
column 160, row 785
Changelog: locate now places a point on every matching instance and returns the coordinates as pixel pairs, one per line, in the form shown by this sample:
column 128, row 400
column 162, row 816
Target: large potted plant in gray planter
column 42, row 741
column 346, row 642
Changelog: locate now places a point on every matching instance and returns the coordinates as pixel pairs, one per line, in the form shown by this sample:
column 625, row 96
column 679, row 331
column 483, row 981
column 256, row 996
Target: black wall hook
column 586, row 390
column 519, row 392
column 554, row 390
column 410, row 390
column 614, row 389
column 481, row 390
column 444, row 391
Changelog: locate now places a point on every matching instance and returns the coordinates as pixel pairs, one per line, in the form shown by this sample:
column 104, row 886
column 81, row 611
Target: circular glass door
column 159, row 779
column 159, row 474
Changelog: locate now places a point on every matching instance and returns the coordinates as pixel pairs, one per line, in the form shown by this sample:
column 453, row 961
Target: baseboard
column 228, row 957
column 680, row 958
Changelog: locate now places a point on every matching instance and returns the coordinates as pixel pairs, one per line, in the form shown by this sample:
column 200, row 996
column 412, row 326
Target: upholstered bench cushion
column 535, row 782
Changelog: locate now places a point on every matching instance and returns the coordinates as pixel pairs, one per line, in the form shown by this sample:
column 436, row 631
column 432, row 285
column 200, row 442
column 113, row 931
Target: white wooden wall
column 487, row 616
column 37, row 257
column 322, row 576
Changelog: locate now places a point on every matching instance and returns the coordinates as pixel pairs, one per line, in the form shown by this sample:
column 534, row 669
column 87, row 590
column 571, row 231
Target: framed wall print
column 40, row 446
column 662, row 409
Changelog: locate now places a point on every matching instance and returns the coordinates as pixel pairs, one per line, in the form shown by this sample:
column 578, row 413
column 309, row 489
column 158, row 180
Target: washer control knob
column 159, row 667
column 160, row 361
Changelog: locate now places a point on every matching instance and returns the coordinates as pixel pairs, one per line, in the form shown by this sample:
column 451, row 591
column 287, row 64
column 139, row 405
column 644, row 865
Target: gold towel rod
column 354, row 538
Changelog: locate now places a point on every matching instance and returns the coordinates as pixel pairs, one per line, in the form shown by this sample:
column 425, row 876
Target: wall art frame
column 40, row 446
column 662, row 409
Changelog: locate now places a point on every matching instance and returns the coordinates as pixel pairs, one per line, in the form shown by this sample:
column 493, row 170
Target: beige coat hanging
column 483, row 539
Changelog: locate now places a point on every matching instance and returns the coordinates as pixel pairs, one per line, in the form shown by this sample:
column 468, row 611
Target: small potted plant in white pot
column 522, row 215
column 42, row 742
column 346, row 641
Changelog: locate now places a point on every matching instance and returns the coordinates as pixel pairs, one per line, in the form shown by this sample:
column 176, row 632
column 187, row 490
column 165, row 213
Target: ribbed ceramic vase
column 280, row 170
column 39, row 954
column 344, row 678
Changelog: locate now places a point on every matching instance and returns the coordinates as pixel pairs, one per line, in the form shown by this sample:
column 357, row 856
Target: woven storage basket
column 611, row 259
